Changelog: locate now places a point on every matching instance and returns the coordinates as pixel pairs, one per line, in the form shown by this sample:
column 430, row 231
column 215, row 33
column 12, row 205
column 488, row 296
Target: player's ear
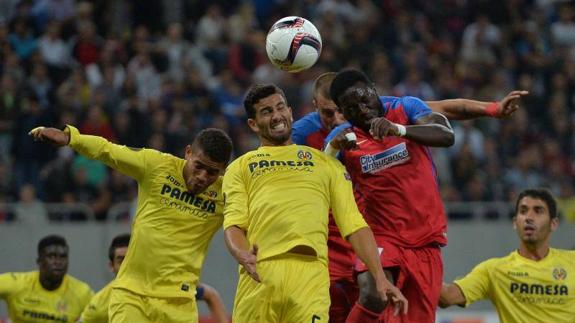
column 514, row 223
column 314, row 103
column 253, row 125
column 188, row 152
column 554, row 223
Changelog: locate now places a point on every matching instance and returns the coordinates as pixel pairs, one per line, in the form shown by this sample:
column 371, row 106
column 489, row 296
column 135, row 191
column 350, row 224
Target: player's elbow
column 449, row 138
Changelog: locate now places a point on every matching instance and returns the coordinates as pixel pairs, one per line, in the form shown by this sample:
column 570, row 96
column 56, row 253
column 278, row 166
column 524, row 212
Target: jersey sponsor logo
column 538, row 289
column 559, row 273
column 304, row 155
column 274, row 166
column 186, row 197
column 259, row 156
column 393, row 156
column 44, row 316
column 173, row 180
column 517, row 274
column 31, row 300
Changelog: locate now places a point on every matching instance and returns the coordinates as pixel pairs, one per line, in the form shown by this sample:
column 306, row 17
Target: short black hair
column 344, row 80
column 51, row 240
column 540, row 194
column 215, row 143
column 123, row 240
column 258, row 92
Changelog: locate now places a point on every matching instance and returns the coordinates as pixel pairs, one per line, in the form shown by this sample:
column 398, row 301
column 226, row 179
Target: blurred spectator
column 29, row 209
column 563, row 30
column 21, row 39
column 480, row 42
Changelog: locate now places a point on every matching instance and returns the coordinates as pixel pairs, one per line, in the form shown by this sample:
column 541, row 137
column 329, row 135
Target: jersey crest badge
column 559, row 273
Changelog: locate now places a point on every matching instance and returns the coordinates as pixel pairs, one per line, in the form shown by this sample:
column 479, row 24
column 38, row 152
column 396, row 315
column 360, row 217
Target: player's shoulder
column 496, row 262
column 563, row 254
column 309, row 119
column 103, row 295
column 80, row 287
column 19, row 277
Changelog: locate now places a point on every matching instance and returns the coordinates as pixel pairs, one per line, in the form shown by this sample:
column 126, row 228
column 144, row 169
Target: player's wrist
column 331, row 150
column 401, row 130
column 492, row 109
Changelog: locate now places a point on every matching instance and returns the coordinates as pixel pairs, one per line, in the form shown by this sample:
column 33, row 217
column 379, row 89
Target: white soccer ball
column 293, row 44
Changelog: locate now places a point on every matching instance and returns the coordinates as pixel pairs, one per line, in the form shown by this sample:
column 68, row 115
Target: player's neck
column 49, row 284
column 534, row 252
column 267, row 143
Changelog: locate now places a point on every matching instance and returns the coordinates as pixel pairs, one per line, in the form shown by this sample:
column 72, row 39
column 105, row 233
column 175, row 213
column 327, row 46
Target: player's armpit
column 451, row 294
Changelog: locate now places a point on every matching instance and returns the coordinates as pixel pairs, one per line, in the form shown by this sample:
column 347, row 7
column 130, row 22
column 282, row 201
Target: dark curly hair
column 258, row 92
column 215, row 143
column 344, row 80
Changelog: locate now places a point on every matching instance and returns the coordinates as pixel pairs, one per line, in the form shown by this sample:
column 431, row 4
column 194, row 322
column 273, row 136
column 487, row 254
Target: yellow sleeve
column 129, row 161
column 475, row 285
column 94, row 312
column 9, row 284
column 343, row 206
column 236, row 198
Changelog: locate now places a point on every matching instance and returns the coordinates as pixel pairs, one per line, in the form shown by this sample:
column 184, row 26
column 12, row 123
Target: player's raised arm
column 451, row 294
column 463, row 109
column 127, row 160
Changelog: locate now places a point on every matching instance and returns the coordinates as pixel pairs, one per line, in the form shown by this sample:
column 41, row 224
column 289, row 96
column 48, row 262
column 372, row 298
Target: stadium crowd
column 153, row 73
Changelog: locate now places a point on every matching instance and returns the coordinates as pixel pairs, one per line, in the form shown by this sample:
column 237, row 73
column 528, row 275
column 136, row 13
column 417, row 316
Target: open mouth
column 279, row 127
column 529, row 229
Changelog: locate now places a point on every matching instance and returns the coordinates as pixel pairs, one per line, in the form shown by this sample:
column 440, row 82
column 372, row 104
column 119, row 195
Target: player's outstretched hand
column 52, row 135
column 341, row 141
column 389, row 293
column 381, row 127
column 510, row 103
column 248, row 260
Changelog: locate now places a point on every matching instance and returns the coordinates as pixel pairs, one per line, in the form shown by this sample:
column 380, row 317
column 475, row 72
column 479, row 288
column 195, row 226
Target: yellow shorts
column 294, row 288
column 127, row 307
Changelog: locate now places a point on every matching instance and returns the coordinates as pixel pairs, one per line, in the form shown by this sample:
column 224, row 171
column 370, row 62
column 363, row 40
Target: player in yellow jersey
column 97, row 310
column 49, row 294
column 533, row 284
column 179, row 209
column 276, row 217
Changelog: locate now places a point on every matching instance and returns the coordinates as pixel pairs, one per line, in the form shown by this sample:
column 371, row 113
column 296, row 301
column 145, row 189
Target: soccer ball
column 293, row 44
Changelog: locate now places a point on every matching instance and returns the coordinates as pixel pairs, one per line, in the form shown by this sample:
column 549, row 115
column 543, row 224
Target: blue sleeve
column 199, row 293
column 414, row 108
column 335, row 131
column 305, row 126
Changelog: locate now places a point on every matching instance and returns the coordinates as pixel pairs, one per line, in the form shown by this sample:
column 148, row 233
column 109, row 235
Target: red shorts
column 419, row 277
column 343, row 290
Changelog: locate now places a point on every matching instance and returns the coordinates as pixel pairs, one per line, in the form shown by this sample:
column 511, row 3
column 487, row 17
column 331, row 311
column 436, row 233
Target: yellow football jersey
column 28, row 301
column 281, row 197
column 97, row 309
column 172, row 227
column 524, row 290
